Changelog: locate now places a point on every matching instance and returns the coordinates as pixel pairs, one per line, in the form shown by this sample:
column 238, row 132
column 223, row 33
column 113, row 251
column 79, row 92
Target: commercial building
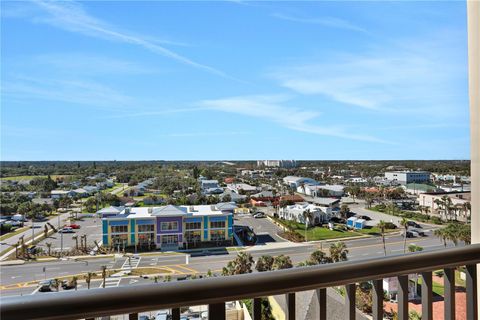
column 169, row 227
column 405, row 177
column 327, row 190
column 295, row 182
column 277, row 163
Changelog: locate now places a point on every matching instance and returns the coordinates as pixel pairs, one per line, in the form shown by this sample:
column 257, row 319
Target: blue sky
column 233, row 80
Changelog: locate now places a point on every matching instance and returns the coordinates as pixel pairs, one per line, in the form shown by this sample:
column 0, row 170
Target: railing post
column 402, row 297
column 471, row 282
column 321, row 304
column 350, row 301
column 216, row 311
column 290, row 312
column 133, row 316
column 427, row 311
column 176, row 314
column 377, row 300
column 449, row 293
column 257, row 309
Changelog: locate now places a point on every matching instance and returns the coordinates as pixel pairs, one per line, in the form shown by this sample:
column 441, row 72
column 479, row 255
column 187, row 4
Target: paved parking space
column 265, row 230
column 89, row 226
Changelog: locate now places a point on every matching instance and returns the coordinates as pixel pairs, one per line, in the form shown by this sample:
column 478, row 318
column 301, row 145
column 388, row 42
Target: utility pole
column 61, row 243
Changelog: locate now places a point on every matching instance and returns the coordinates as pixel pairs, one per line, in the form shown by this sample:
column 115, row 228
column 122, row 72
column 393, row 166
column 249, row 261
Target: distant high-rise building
column 277, row 163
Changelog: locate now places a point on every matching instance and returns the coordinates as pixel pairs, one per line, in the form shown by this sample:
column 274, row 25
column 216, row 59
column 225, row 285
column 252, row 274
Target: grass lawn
column 317, row 233
column 437, row 287
column 21, row 178
column 374, row 231
column 11, row 234
column 115, row 186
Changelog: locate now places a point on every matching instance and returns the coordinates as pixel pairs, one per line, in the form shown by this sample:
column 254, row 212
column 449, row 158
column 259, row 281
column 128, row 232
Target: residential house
column 296, row 212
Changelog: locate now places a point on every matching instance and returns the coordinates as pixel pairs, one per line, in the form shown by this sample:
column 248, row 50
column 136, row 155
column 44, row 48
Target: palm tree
column 49, row 247
column 338, row 252
column 264, row 263
column 88, row 278
column 282, row 262
column 404, row 224
column 75, row 237
column 85, row 241
column 382, row 226
column 318, row 257
column 307, row 218
column 440, row 233
column 344, row 210
column 74, row 282
column 56, row 284
column 104, row 274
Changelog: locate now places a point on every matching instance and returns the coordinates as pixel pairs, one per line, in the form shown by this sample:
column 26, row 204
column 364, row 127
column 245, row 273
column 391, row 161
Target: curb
column 12, row 263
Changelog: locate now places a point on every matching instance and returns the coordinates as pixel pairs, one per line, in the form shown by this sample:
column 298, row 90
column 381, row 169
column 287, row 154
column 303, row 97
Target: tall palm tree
column 338, row 252
column 49, row 247
column 404, row 224
column 88, row 278
column 75, row 237
column 440, row 233
column 104, row 274
column 307, row 219
column 382, row 226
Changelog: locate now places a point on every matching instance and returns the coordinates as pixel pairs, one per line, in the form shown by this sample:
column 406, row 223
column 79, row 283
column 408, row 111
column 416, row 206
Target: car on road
column 417, row 232
column 66, row 230
column 45, row 286
column 414, row 224
column 259, row 215
column 410, row 234
column 73, row 226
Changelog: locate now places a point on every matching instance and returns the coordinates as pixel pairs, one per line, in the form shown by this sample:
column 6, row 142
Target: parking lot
column 89, row 226
column 265, row 230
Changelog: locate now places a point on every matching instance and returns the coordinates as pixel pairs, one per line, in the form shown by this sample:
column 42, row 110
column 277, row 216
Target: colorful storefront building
column 168, row 227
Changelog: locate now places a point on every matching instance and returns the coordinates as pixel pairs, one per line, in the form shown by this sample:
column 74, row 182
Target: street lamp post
column 61, row 243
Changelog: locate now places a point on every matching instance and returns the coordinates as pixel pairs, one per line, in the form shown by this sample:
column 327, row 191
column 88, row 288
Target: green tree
column 318, row 257
column 344, row 210
column 49, row 247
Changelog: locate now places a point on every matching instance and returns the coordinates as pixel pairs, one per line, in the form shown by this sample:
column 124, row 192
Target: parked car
column 67, row 285
column 367, row 218
column 259, row 215
column 337, row 220
column 66, row 230
column 414, row 224
column 45, row 286
column 73, row 226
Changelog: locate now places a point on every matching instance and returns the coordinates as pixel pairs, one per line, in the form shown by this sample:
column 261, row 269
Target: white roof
column 332, row 187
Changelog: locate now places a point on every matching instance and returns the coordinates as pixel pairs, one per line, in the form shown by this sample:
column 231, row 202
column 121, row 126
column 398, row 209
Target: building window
column 193, row 225
column 118, row 229
column 170, row 239
column 193, row 236
column 217, row 224
column 170, row 225
column 119, row 239
column 146, row 239
column 217, row 235
column 145, row 228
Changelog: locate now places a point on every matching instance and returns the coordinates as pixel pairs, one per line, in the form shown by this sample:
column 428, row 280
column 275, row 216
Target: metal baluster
column 133, row 316
column 322, row 303
column 290, row 312
column 377, row 300
column 471, row 282
column 257, row 309
column 350, row 301
column 176, row 314
column 402, row 297
column 449, row 293
column 216, row 311
column 427, row 311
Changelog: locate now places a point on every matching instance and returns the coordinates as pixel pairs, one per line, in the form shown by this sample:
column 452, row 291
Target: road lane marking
column 186, row 268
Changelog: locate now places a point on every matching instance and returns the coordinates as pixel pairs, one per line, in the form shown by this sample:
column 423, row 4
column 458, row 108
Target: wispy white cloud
column 411, row 77
column 72, row 17
column 163, row 111
column 330, row 22
column 75, row 91
column 271, row 108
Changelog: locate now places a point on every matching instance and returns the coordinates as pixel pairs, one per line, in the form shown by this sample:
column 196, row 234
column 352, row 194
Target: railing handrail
column 149, row 297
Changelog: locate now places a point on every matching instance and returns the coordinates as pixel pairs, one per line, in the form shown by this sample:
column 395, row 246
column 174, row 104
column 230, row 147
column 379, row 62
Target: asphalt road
column 17, row 280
